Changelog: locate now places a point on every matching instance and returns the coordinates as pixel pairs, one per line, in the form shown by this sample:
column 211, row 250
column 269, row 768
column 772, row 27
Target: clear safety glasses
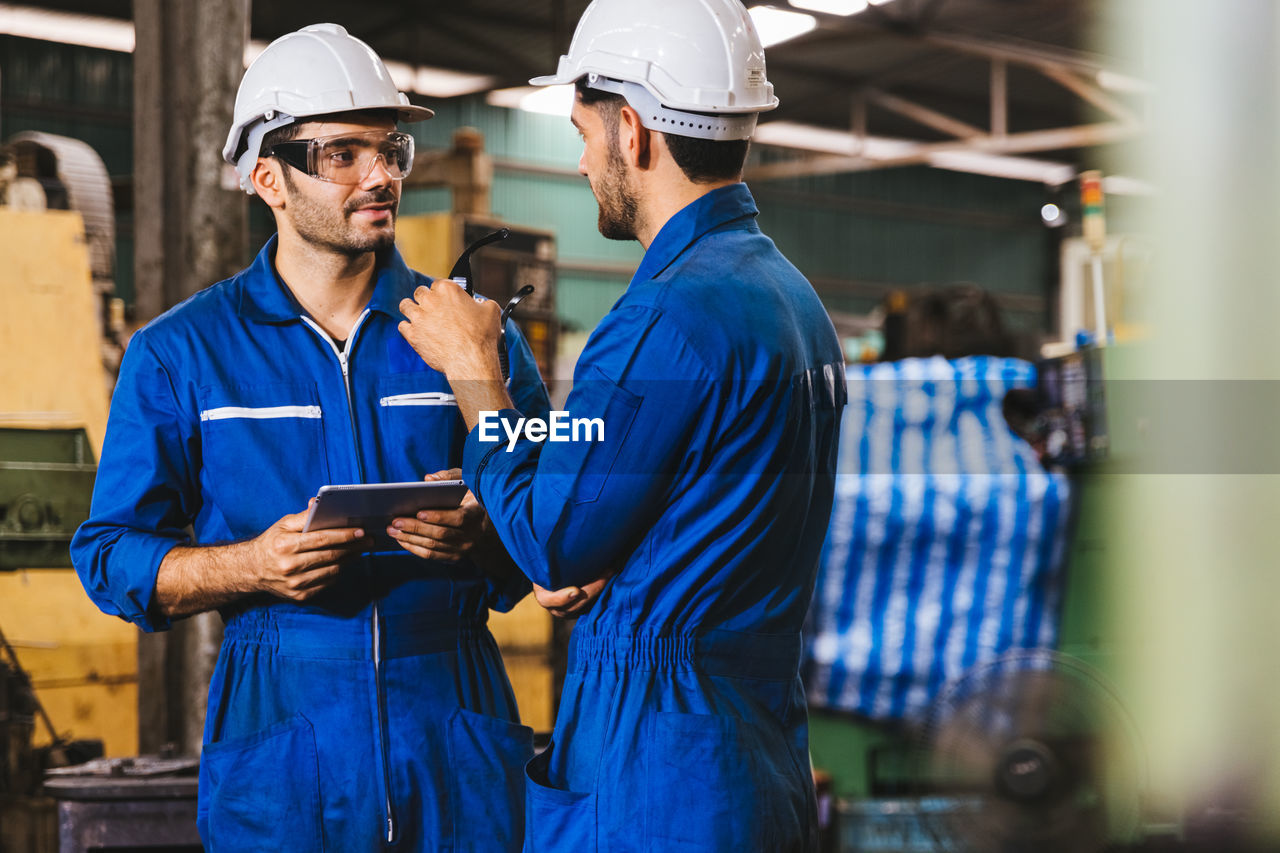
column 348, row 158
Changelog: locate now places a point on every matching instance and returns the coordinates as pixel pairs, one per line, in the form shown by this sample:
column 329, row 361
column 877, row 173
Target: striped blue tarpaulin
column 946, row 540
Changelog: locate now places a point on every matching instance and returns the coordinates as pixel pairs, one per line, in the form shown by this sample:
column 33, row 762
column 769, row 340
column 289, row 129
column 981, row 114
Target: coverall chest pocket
column 601, row 415
column 419, row 428
column 263, row 451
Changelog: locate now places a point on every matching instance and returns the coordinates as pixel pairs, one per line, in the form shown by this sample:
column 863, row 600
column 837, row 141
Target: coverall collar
column 716, row 208
column 265, row 298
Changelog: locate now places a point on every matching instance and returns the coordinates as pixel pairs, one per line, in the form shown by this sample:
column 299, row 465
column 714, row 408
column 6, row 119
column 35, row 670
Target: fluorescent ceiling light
column 831, row 7
column 778, row 25
column 113, row 34
column 1123, row 83
column 446, row 83
column 789, row 134
column 1001, row 166
column 402, row 74
column 87, row 30
column 1125, row 185
column 549, row 100
column 880, row 2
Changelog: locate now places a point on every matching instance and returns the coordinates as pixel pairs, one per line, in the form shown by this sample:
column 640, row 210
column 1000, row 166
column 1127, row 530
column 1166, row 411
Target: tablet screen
column 372, row 506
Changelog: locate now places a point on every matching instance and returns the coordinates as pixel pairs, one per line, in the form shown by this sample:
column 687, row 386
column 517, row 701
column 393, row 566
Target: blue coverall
column 719, row 381
column 377, row 714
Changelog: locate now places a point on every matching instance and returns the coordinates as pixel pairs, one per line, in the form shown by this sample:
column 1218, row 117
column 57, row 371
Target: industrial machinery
column 46, row 481
column 1031, row 752
column 66, row 670
column 26, row 818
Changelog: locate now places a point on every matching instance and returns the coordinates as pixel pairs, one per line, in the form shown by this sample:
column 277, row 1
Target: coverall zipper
column 377, row 628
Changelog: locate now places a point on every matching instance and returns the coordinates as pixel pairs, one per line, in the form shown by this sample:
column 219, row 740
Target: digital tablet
column 372, row 506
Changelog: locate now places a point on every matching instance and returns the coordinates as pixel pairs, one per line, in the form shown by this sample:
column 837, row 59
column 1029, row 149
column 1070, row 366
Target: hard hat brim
column 414, row 113
column 553, row 80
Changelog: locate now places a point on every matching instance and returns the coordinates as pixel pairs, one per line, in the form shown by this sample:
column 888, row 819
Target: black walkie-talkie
column 461, row 273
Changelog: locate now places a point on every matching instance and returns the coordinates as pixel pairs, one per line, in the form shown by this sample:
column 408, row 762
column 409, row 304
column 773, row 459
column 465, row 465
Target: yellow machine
column 431, row 243
column 82, row 663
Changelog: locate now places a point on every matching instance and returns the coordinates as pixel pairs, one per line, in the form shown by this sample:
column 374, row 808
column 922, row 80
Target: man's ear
column 634, row 138
column 268, row 181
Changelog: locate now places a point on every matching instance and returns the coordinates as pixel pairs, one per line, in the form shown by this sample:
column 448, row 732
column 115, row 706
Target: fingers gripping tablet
column 372, row 506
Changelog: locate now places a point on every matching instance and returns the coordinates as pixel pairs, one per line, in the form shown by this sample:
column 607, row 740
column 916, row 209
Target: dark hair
column 609, row 105
column 952, row 321
column 703, row 161
column 706, row 161
column 287, row 133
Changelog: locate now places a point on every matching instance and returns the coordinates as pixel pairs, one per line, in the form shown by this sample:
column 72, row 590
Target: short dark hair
column 609, row 105
column 287, row 133
column 703, row 161
column 706, row 161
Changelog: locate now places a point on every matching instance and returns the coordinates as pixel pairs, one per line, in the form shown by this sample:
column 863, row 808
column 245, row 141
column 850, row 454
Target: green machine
column 895, row 788
column 46, row 483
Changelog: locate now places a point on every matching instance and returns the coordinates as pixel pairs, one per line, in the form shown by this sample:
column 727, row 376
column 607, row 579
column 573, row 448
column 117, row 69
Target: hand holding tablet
column 372, row 506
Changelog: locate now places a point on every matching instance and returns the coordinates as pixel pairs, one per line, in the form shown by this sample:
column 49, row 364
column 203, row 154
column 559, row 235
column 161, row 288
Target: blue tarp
column 946, row 543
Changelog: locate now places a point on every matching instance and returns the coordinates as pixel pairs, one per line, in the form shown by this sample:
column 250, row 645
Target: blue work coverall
column 719, row 381
column 377, row 714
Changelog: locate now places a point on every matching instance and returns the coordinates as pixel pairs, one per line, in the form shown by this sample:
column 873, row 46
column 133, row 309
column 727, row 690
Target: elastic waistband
column 310, row 635
column 717, row 652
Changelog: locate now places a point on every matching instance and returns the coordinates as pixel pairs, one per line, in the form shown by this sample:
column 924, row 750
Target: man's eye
column 341, row 158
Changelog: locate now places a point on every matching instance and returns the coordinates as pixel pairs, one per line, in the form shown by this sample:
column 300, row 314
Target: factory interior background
column 1105, row 169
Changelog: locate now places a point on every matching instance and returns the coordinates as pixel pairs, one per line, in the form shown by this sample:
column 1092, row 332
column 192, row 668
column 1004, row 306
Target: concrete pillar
column 190, row 220
column 191, row 230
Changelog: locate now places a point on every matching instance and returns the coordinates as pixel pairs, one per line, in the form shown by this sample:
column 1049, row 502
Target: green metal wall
column 854, row 235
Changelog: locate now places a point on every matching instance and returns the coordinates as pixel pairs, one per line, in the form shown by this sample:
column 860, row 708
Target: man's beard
column 325, row 227
column 616, row 199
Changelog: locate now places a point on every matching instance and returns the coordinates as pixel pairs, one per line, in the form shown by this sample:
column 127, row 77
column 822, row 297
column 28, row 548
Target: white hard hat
column 318, row 70
column 676, row 62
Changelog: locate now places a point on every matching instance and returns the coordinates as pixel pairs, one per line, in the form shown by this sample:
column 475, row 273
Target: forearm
column 194, row 579
column 478, row 387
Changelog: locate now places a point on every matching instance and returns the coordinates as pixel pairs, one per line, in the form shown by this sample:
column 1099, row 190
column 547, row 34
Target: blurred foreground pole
column 1197, row 537
column 191, row 230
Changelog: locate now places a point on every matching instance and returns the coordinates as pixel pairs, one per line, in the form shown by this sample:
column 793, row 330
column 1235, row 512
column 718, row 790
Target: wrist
column 474, row 367
column 250, row 556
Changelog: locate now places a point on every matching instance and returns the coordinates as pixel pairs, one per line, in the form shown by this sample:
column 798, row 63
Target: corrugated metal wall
column 79, row 92
column 855, row 235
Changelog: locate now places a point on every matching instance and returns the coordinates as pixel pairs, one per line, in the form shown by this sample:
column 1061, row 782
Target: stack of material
column 946, row 542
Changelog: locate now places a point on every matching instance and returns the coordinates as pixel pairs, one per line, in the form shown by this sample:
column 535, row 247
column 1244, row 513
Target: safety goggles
column 348, row 158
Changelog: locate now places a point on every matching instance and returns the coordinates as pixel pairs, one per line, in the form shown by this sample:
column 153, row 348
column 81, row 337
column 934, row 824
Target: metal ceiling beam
column 1090, row 93
column 1081, row 136
column 999, row 98
column 1032, row 56
column 923, row 115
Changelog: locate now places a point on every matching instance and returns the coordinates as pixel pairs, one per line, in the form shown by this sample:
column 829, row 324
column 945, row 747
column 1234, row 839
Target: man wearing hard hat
column 717, row 377
column 358, row 701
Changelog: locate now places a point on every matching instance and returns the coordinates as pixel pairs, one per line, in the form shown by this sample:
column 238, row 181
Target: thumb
column 447, row 474
column 298, row 520
column 560, row 597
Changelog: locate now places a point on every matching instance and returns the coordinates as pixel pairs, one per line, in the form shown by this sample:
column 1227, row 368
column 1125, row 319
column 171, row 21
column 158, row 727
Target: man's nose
column 379, row 175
